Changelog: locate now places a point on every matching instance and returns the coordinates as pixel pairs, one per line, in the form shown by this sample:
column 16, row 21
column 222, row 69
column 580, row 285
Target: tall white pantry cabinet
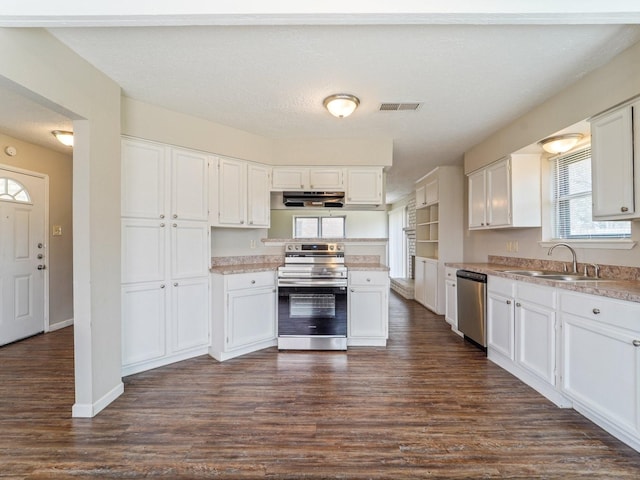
column 165, row 254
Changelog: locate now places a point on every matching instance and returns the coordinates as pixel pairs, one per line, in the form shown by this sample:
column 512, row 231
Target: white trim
column 59, row 325
column 89, row 410
column 613, row 244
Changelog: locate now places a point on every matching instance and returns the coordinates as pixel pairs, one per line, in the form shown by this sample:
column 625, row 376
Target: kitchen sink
column 557, row 276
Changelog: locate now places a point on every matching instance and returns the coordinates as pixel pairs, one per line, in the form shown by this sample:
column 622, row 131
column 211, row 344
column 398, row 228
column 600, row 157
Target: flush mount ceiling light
column 341, row 104
column 560, row 143
column 64, row 137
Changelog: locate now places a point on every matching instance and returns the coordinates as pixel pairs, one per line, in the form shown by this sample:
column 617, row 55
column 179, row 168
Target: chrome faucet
column 573, row 254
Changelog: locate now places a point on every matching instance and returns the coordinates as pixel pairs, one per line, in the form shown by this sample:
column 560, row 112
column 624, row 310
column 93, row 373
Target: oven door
column 312, row 311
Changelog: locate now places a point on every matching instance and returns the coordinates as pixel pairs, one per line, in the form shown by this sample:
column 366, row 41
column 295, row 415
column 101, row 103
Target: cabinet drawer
column 502, row 286
column 612, row 312
column 251, row 280
column 545, row 296
column 368, row 277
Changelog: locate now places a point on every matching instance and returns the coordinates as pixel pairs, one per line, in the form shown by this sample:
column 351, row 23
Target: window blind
column 572, row 217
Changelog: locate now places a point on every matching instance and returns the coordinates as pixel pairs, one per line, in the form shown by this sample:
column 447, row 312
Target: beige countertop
column 265, row 267
column 628, row 290
column 367, row 266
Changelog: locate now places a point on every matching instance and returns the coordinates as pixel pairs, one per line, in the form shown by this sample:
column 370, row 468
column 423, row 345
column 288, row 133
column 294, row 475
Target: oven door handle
column 310, row 283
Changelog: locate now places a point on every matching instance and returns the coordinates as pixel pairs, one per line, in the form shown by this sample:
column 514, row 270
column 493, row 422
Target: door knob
column 41, row 267
column 40, row 245
column 40, row 256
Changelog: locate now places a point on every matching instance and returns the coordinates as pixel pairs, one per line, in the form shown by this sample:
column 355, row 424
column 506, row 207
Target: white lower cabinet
column 426, row 282
column 368, row 300
column 451, row 299
column 522, row 332
column 243, row 313
column 601, row 362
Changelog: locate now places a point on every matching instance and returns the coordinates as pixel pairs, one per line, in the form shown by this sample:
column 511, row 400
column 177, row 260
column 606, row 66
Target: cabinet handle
column 162, row 224
column 482, row 224
column 624, row 209
column 352, row 290
column 508, row 302
column 636, row 343
column 253, row 282
column 162, row 216
column 368, row 279
column 162, row 286
column 518, row 304
column 596, row 311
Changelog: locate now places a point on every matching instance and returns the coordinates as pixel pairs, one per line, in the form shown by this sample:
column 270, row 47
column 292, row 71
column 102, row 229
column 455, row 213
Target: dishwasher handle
column 473, row 276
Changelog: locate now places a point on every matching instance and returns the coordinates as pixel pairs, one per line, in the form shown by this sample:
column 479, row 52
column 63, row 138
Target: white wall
column 613, row 83
column 39, row 66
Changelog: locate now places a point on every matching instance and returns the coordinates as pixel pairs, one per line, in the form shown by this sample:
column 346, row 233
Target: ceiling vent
column 399, row 107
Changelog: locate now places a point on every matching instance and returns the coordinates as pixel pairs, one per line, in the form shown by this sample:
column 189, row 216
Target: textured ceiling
column 270, row 80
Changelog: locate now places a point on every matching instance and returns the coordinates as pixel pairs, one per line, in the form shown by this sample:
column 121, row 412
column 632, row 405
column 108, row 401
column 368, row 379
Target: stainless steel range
column 312, row 297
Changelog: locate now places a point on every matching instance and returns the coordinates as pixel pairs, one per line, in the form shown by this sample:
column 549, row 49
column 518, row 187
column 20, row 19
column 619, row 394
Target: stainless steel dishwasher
column 472, row 312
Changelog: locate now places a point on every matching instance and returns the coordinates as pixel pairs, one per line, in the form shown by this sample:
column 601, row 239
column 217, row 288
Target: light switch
column 57, row 230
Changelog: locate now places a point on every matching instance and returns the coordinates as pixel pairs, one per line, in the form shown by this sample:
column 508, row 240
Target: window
column 318, row 227
column 572, row 201
column 13, row 191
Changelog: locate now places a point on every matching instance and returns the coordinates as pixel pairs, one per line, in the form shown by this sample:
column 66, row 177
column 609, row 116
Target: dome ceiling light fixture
column 341, row 105
column 560, row 143
column 64, row 137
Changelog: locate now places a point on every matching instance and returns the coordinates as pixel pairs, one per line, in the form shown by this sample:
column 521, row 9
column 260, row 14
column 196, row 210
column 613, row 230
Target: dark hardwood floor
column 427, row 406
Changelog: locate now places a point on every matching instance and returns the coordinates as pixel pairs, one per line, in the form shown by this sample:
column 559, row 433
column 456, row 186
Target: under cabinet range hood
column 313, row 199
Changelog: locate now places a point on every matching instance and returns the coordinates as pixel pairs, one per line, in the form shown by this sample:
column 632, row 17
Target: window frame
column 319, row 220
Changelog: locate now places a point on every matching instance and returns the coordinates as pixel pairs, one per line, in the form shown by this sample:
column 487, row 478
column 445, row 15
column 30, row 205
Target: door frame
column 44, row 177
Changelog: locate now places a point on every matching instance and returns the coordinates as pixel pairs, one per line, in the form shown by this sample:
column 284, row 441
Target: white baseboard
column 89, row 410
column 58, row 325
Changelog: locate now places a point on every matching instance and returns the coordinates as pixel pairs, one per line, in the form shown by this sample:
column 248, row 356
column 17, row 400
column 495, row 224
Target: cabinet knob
column 352, row 290
column 162, row 216
column 508, row 302
column 175, row 225
column 175, row 215
column 162, row 286
column 241, row 222
column 175, row 284
column 596, row 311
column 636, row 343
column 482, row 224
column 162, row 224
column 250, row 222
column 301, row 186
column 624, row 209
column 253, row 282
column 368, row 279
column 518, row 304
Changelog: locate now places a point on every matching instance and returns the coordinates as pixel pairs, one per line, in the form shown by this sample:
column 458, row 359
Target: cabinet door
column 189, row 249
column 500, row 324
column 451, row 303
column 431, row 191
column 431, row 285
column 143, row 179
column 326, row 179
column 421, row 197
column 368, row 315
column 290, row 178
column 251, row 317
column 232, row 183
column 477, row 200
column 536, row 344
column 144, row 249
column 189, row 185
column 612, row 165
column 143, row 322
column 258, row 195
column 498, row 194
column 419, row 283
column 190, row 314
column 364, row 186
column 601, row 370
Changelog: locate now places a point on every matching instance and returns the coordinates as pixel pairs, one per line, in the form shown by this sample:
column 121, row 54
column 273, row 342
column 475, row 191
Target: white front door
column 22, row 255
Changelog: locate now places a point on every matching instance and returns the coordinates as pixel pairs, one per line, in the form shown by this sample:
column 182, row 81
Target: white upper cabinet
column 143, row 179
column 614, row 137
column 364, row 186
column 307, row 178
column 242, row 197
column 506, row 193
column 189, row 182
